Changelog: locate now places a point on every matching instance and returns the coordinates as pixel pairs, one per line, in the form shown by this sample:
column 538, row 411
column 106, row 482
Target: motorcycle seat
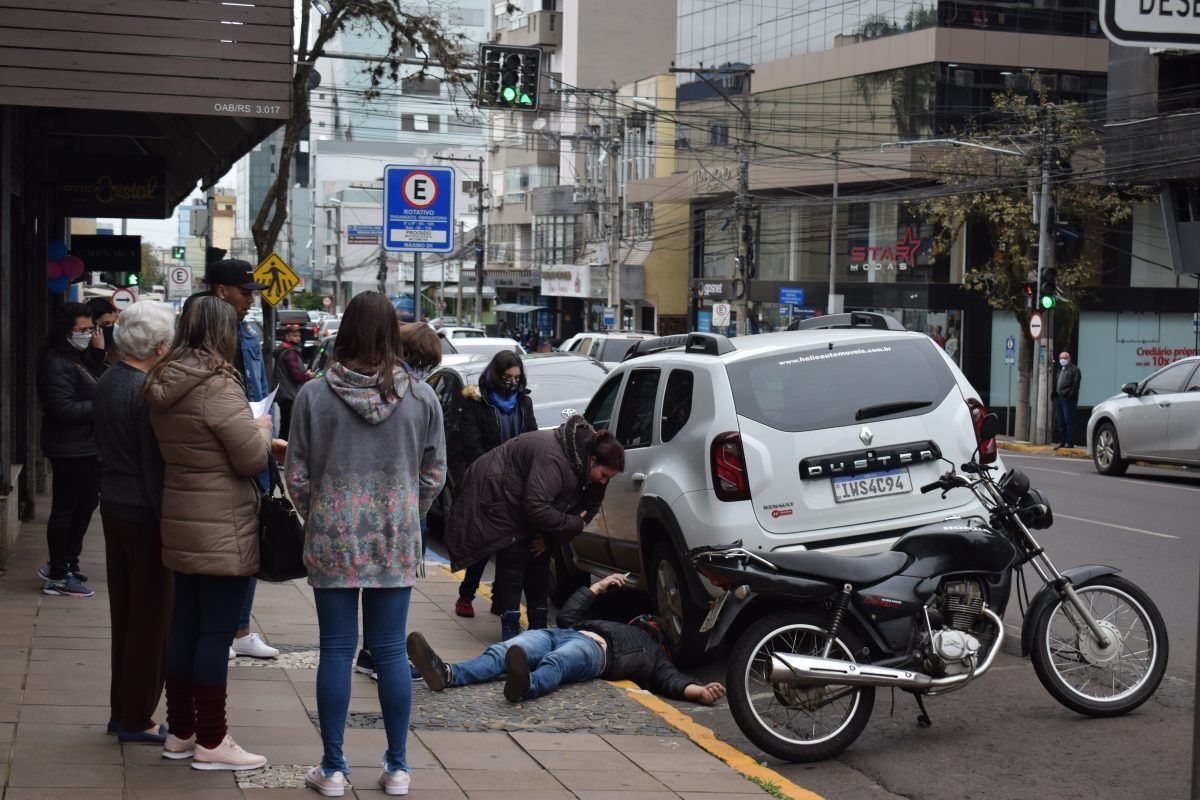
column 855, row 570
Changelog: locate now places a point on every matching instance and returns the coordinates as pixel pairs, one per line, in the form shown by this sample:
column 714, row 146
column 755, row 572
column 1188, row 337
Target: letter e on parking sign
column 418, row 209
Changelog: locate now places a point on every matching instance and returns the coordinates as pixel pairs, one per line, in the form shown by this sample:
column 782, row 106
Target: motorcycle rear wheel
column 792, row 722
column 1091, row 679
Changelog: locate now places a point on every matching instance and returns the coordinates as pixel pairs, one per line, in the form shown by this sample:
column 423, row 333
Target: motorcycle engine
column 952, row 648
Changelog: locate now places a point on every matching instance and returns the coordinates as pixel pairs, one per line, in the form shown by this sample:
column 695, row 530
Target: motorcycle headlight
column 1034, row 510
column 1014, row 485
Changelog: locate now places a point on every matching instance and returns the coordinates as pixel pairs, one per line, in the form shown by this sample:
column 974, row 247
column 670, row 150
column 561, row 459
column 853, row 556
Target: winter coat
column 632, row 653
column 475, row 426
column 362, row 471
column 1066, row 382
column 212, row 449
column 533, row 485
column 65, row 390
column 289, row 374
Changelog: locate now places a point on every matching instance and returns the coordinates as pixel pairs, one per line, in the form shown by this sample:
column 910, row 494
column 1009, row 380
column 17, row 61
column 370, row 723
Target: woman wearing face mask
column 101, row 351
column 65, row 390
column 488, row 415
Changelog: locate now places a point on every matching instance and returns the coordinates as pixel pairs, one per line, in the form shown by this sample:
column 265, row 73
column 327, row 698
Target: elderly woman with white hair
column 131, row 479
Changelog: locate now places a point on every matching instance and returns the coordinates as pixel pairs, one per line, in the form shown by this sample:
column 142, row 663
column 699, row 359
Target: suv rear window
column 829, row 387
column 614, row 349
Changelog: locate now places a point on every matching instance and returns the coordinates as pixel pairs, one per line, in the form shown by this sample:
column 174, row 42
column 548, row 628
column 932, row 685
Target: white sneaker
column 253, row 645
column 394, row 783
column 177, row 749
column 228, row 755
column 232, row 654
column 329, row 785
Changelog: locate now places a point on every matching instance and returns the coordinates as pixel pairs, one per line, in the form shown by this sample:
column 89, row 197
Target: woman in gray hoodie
column 366, row 459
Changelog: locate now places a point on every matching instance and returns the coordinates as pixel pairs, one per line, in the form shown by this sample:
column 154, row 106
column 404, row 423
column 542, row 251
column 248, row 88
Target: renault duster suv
column 813, row 438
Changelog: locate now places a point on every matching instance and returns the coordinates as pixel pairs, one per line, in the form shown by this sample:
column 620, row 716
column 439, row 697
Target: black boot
column 516, row 674
column 510, row 625
column 427, row 662
column 538, row 618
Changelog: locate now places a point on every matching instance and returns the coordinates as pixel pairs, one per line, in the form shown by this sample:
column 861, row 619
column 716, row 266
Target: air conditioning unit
column 578, row 197
column 962, row 77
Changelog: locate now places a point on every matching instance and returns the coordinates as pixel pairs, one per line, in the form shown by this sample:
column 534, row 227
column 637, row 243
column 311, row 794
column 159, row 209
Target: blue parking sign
column 418, row 209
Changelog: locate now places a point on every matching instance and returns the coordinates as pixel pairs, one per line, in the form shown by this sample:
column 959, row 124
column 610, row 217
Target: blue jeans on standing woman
column 555, row 656
column 385, row 619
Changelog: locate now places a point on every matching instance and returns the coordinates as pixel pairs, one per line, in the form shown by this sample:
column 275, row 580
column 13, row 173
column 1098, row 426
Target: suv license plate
column 849, row 488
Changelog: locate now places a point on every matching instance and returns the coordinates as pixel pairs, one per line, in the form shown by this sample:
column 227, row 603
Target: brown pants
column 139, row 601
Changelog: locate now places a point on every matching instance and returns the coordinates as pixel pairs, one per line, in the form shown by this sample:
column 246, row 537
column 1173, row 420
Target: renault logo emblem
column 866, row 436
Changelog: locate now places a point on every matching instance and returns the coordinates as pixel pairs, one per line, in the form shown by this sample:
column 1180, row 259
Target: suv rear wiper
column 883, row 409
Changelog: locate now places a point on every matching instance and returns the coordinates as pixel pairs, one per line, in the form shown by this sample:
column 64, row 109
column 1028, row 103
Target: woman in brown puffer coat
column 212, row 448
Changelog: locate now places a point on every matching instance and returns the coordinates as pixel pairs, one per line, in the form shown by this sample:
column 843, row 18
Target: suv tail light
column 987, row 448
column 729, row 468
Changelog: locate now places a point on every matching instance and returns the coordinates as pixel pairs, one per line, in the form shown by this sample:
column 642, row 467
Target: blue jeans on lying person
column 555, row 655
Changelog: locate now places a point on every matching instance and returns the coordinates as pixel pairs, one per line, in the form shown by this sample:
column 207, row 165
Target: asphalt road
column 1004, row 737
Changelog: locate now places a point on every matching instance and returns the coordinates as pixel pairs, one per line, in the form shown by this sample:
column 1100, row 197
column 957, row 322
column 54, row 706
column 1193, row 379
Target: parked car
column 324, row 355
column 457, row 332
column 486, row 346
column 812, row 439
column 607, row 348
column 1157, row 419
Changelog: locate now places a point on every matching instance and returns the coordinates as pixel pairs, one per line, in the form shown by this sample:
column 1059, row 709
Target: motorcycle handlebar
column 931, row 487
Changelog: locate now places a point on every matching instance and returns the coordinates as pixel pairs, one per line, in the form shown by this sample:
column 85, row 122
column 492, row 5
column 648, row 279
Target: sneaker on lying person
column 253, row 645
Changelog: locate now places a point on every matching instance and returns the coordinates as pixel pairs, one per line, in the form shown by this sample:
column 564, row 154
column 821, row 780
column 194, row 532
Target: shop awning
column 517, row 308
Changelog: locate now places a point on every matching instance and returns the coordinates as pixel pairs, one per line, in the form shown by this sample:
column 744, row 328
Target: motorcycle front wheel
column 1094, row 679
column 790, row 721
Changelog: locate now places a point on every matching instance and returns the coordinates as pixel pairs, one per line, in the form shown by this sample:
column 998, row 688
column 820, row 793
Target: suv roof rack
column 854, row 319
column 708, row 344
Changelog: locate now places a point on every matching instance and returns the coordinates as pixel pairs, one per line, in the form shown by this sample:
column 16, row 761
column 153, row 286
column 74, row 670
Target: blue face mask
column 1064, row 361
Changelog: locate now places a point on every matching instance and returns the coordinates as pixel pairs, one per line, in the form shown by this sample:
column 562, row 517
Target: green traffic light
column 526, row 100
column 1048, row 301
column 133, row 279
column 509, row 94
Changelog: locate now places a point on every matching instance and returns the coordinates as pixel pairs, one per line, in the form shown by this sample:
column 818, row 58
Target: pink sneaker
column 329, row 785
column 176, row 748
column 227, row 755
column 394, row 783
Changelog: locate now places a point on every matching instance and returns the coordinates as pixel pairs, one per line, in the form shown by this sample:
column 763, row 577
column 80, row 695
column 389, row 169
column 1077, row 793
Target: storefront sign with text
column 900, row 255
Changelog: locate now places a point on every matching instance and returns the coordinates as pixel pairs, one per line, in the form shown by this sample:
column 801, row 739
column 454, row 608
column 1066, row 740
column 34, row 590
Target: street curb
column 1042, row 449
column 705, row 738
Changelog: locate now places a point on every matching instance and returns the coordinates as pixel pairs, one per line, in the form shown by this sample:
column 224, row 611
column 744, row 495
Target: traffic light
column 131, row 279
column 1027, row 289
column 1049, row 297
column 509, row 77
column 178, row 253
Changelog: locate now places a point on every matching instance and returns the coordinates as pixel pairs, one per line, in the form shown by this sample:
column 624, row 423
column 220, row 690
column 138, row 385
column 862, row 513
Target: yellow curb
column 1046, row 450
column 704, row 737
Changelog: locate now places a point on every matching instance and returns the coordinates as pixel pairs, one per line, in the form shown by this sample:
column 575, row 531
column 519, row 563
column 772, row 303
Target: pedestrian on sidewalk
column 366, row 459
column 486, row 416
column 536, row 663
column 213, row 448
column 100, row 353
column 422, row 355
column 1066, row 396
column 233, row 281
column 530, row 495
column 288, row 376
column 131, row 484
column 66, row 391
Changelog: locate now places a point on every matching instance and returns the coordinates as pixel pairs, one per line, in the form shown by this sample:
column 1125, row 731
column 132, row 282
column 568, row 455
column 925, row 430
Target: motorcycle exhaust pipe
column 792, row 668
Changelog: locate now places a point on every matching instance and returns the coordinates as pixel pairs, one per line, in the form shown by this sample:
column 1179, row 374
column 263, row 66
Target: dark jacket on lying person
column 632, row 653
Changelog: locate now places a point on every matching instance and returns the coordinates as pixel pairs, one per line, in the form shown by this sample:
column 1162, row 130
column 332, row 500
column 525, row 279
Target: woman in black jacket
column 65, row 389
column 487, row 416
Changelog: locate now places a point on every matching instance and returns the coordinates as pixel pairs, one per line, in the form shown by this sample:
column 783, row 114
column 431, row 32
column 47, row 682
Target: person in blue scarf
column 488, row 415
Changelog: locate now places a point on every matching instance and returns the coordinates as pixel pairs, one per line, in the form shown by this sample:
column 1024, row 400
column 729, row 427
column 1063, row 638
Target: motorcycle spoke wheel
column 793, row 721
column 1095, row 678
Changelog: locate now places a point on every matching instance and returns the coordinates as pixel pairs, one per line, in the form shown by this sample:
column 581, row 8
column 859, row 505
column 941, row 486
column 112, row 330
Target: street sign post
column 1035, row 326
column 124, row 298
column 720, row 314
column 278, row 278
column 1172, row 25
column 179, row 283
column 418, row 209
column 1010, row 351
column 1010, row 358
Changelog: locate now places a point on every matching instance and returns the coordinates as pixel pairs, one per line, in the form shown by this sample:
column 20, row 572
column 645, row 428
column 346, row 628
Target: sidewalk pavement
column 588, row 741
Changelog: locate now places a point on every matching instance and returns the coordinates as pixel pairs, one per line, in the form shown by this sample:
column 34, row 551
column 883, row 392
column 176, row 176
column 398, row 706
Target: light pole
column 479, row 242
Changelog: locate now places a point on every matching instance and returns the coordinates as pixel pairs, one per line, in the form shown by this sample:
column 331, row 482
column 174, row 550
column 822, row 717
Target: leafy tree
column 412, row 37
column 994, row 193
column 151, row 273
column 307, row 301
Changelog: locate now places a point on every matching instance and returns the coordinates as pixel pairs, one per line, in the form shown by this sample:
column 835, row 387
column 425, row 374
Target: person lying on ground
column 537, row 662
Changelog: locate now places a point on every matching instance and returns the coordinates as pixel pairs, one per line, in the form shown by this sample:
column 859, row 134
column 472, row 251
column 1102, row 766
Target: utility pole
column 743, row 205
column 337, row 263
column 1039, row 431
column 417, row 286
column 480, row 242
column 835, row 305
column 615, row 140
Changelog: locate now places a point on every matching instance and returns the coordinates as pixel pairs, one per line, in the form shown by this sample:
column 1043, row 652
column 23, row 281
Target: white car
column 486, row 345
column 1155, row 420
column 607, row 348
column 461, row 333
column 815, row 438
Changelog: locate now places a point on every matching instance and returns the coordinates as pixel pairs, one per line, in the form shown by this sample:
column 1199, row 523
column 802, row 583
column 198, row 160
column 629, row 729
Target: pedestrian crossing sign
column 277, row 276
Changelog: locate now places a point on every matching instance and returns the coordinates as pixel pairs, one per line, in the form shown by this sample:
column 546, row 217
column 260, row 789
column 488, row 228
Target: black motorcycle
column 817, row 633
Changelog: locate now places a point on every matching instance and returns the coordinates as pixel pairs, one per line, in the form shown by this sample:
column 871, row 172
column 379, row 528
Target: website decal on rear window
column 860, row 351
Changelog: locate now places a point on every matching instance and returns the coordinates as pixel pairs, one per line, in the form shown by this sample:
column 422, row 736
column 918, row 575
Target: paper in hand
column 260, row 407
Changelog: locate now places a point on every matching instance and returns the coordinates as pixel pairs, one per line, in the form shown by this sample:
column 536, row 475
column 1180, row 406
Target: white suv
column 814, row 438
column 607, row 348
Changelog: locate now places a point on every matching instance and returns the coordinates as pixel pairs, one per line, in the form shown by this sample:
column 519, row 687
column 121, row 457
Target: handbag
column 280, row 534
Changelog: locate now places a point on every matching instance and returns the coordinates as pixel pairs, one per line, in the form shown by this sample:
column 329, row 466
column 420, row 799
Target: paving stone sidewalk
column 586, row 741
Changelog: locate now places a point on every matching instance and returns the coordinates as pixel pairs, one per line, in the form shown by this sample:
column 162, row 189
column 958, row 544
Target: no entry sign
column 1035, row 326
